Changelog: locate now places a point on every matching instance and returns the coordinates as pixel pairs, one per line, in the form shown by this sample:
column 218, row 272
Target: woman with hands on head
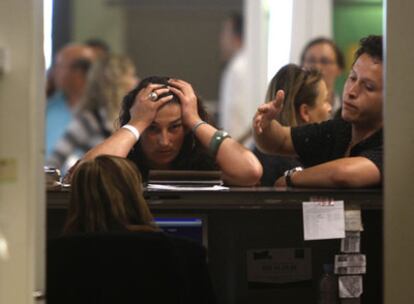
column 164, row 126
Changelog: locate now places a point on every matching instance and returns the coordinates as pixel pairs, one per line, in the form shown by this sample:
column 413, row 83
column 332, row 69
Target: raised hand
column 267, row 112
column 146, row 105
column 188, row 99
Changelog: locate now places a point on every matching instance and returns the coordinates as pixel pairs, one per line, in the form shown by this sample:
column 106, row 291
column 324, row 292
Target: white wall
column 107, row 23
column 399, row 152
column 21, row 152
column 311, row 19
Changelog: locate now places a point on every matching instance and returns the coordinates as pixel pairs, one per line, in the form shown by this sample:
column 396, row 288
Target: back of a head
column 300, row 86
column 106, row 196
column 372, row 46
column 100, row 47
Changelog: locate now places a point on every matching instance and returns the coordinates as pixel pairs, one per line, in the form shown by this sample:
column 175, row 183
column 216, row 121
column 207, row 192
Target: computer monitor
column 189, row 226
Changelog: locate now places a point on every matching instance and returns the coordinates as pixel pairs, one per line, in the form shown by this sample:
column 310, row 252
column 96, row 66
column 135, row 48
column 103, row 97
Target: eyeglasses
column 321, row 61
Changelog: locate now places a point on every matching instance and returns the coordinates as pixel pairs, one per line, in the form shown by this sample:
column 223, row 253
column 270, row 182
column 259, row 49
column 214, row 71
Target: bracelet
column 201, row 122
column 215, row 142
column 133, row 130
column 288, row 175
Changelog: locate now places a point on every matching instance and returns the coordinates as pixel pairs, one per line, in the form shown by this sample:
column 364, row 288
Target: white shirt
column 235, row 110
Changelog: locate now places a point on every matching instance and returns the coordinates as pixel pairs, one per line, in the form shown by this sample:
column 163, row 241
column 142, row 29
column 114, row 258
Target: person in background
column 306, row 101
column 323, row 54
column 234, row 110
column 99, row 47
column 338, row 153
column 69, row 76
column 109, row 80
column 164, row 126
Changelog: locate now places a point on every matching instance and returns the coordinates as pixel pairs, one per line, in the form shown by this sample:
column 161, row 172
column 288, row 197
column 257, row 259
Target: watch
column 288, row 175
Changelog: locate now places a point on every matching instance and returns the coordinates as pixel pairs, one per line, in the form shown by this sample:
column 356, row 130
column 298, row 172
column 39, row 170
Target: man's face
column 64, row 75
column 229, row 41
column 363, row 94
column 63, row 71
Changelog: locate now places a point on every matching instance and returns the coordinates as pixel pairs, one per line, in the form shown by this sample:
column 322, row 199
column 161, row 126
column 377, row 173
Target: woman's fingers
column 161, row 101
column 182, row 85
column 177, row 92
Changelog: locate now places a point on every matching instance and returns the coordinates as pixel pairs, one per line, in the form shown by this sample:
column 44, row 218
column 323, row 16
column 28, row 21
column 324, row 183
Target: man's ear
column 304, row 113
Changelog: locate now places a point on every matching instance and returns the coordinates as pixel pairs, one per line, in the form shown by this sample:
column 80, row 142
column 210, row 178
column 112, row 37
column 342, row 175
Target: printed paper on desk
column 322, row 222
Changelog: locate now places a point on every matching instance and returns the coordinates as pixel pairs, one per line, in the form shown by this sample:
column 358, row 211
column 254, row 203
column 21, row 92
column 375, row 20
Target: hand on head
column 145, row 108
column 188, row 99
column 267, row 112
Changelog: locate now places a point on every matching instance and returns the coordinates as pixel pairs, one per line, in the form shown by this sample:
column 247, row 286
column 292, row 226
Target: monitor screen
column 189, row 226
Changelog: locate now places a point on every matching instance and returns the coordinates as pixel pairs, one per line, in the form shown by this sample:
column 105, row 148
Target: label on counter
column 279, row 265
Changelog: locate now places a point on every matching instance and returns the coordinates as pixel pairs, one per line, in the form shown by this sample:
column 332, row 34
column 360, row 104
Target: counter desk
column 239, row 220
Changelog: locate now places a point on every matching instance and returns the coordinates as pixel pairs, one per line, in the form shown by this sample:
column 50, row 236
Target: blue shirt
column 58, row 116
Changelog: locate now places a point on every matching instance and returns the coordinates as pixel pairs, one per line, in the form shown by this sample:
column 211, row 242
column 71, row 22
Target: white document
column 323, row 221
column 279, row 265
column 186, row 188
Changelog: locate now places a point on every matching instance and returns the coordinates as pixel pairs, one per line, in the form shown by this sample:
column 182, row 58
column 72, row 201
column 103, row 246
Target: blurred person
column 323, row 54
column 338, row 153
column 109, row 80
column 69, row 75
column 306, row 101
column 99, row 47
column 234, row 113
column 165, row 127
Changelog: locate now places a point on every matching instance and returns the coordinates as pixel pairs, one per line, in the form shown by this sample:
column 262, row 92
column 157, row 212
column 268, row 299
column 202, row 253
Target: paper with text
column 323, row 221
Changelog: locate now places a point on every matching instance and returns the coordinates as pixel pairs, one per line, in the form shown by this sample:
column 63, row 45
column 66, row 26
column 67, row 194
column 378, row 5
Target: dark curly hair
column 370, row 45
column 192, row 155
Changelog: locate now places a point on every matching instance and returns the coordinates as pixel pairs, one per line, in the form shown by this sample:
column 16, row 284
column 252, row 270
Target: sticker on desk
column 323, row 220
column 353, row 221
column 350, row 286
column 352, row 242
column 350, row 264
column 279, row 265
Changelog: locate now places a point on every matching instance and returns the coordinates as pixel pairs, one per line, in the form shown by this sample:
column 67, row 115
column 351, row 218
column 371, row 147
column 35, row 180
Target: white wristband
column 133, row 130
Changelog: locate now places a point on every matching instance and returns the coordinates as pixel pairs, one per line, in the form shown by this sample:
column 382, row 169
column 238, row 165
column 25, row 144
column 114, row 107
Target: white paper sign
column 279, row 265
column 323, row 221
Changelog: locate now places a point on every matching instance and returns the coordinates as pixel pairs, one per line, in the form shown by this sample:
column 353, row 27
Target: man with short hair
column 344, row 152
column 70, row 72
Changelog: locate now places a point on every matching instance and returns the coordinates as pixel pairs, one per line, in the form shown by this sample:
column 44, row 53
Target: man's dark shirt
column 329, row 140
column 274, row 166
